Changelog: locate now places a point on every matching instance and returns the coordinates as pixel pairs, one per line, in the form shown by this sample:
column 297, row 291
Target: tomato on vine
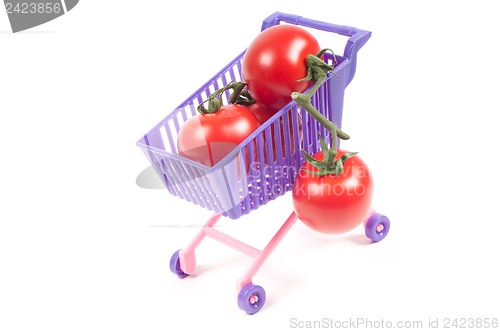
column 213, row 133
column 333, row 200
column 274, row 64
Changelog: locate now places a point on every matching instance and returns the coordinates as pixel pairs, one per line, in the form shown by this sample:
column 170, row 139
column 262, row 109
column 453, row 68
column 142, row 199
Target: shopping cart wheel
column 175, row 265
column 377, row 227
column 251, row 298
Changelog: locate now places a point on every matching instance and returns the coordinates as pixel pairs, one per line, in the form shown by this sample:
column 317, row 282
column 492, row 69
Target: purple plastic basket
column 263, row 166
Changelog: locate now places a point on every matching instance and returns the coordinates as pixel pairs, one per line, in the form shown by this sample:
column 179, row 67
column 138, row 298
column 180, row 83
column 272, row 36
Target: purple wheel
column 175, row 265
column 251, row 298
column 377, row 227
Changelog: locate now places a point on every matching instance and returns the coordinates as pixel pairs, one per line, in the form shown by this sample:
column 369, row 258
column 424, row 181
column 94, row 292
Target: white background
column 83, row 248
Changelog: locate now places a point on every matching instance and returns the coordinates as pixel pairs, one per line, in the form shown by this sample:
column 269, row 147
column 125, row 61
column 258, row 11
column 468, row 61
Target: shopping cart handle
column 357, row 39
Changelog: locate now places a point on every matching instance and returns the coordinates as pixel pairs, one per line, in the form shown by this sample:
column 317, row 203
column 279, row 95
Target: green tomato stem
column 215, row 98
column 237, row 89
column 304, row 100
column 317, row 71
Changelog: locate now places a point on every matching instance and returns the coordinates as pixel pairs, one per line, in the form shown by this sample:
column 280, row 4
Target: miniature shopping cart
column 231, row 188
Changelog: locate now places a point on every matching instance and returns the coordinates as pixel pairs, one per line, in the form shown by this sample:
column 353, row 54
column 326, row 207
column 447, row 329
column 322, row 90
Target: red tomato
column 273, row 63
column 261, row 112
column 333, row 204
column 208, row 138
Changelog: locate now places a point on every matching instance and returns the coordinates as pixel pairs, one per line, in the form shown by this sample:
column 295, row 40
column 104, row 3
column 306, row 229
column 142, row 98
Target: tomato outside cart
column 253, row 174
